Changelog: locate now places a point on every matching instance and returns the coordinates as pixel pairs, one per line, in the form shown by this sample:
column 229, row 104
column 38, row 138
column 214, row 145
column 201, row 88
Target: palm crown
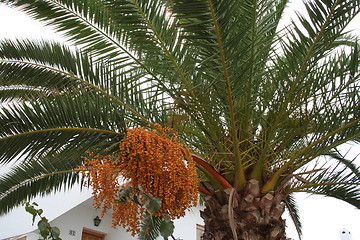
column 252, row 99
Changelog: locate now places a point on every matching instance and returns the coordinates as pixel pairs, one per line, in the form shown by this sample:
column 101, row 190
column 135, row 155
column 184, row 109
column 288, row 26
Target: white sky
column 322, row 218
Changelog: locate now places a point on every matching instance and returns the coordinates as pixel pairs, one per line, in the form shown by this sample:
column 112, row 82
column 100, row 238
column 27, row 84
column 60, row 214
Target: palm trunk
column 244, row 216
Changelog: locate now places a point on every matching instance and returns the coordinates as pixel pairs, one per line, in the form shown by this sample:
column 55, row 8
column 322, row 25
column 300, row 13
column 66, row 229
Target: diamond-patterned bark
column 247, row 215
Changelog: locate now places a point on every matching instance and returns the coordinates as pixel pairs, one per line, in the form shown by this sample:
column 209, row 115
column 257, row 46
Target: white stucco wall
column 185, row 228
column 81, row 217
column 18, row 222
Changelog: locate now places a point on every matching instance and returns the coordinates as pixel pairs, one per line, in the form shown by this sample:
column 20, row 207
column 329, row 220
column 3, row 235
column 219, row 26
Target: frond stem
column 210, row 170
column 321, row 184
column 204, row 191
column 61, row 130
column 13, row 188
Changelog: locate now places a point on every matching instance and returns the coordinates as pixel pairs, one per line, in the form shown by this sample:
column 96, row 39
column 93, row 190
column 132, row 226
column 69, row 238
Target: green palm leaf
column 339, row 180
column 292, row 207
column 37, row 178
column 46, row 126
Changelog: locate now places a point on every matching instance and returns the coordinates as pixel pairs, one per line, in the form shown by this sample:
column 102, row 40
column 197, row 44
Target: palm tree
column 263, row 107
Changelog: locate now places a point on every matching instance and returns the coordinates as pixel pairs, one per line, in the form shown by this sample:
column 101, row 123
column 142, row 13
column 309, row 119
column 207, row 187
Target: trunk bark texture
column 249, row 215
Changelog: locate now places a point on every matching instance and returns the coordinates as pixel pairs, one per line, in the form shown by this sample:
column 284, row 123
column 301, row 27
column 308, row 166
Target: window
column 199, row 231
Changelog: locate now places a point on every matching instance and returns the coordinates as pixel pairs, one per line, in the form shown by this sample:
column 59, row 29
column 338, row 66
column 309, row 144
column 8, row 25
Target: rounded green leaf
column 39, row 211
column 55, row 231
column 43, row 224
column 166, row 229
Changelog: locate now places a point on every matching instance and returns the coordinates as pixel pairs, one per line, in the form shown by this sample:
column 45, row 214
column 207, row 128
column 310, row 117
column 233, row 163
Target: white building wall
column 72, row 223
column 185, row 228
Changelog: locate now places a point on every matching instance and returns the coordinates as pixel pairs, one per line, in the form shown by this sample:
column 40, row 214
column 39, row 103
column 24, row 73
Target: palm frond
column 303, row 52
column 24, row 63
column 106, row 30
column 83, row 22
column 350, row 164
column 45, row 126
column 323, row 113
column 292, row 207
column 62, row 69
column 59, row 66
column 37, row 178
column 338, row 181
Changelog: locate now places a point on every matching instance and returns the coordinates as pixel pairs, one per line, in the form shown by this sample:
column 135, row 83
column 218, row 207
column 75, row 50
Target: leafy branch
column 154, row 222
column 45, row 230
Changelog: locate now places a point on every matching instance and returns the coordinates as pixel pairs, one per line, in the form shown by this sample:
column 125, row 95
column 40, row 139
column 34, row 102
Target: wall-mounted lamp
column 97, row 221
